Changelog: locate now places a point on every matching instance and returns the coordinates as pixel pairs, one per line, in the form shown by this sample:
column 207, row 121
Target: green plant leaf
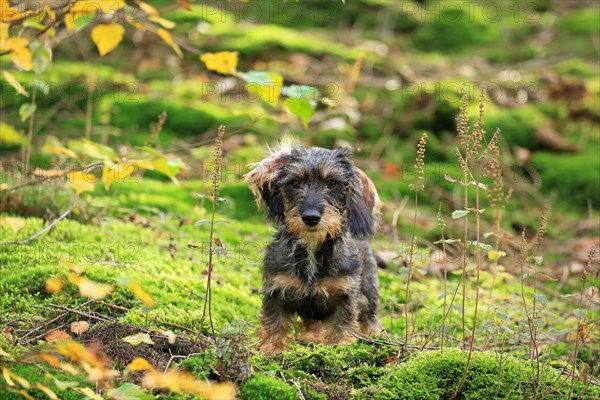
column 98, row 151
column 41, row 56
column 540, row 298
column 302, row 108
column 301, row 92
column 456, row 214
column 129, row 391
column 579, row 313
column 26, row 110
column 266, row 85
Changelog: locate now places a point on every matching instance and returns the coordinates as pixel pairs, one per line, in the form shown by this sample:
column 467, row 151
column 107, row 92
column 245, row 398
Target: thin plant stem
column 215, row 199
column 30, row 132
column 410, row 265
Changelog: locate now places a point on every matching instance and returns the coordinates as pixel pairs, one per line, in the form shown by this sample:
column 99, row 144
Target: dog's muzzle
column 311, row 217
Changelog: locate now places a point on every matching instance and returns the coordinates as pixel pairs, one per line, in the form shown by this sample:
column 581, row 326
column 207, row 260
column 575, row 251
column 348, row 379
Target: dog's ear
column 363, row 206
column 262, row 178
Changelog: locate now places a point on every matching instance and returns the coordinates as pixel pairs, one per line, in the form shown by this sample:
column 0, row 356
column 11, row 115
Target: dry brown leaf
column 79, row 327
column 56, row 335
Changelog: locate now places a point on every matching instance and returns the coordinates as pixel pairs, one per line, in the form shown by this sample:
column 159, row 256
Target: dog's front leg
column 342, row 326
column 274, row 325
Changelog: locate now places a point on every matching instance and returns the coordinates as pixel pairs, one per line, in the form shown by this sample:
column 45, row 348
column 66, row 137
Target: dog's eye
column 331, row 184
column 295, row 184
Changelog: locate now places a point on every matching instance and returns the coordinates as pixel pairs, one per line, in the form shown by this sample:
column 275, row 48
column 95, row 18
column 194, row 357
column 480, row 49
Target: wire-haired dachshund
column 320, row 265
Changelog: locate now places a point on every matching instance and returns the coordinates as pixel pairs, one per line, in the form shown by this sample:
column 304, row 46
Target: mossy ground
column 149, row 245
column 141, row 229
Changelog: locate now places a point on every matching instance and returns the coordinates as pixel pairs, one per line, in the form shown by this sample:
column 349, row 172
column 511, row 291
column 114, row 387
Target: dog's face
column 315, row 191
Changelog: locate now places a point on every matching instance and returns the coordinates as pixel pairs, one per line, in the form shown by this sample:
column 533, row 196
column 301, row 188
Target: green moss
column 454, row 27
column 582, row 22
column 34, row 374
column 264, row 387
column 435, row 375
column 202, row 365
column 518, row 125
column 575, row 177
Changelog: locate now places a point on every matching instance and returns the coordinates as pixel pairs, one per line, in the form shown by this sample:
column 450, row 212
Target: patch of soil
column 110, row 338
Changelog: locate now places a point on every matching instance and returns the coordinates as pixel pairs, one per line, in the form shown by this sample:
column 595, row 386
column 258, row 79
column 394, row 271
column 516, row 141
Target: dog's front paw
column 342, row 338
column 272, row 347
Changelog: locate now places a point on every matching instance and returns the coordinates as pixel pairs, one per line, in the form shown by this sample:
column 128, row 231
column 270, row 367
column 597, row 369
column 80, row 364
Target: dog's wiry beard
column 314, row 236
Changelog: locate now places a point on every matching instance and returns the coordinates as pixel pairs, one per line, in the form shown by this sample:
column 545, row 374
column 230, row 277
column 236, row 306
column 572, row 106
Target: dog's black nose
column 311, row 217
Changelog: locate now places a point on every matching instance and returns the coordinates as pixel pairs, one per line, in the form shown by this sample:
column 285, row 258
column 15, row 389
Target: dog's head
column 315, row 191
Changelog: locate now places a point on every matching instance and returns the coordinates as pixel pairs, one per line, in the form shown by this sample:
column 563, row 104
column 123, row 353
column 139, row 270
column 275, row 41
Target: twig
column 48, row 178
column 41, row 232
column 62, row 315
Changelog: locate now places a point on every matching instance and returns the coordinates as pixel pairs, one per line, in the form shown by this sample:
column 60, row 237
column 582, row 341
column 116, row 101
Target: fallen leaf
column 171, row 336
column 138, row 339
column 91, row 289
column 140, row 364
column 56, row 335
column 54, row 285
column 107, row 37
column 9, row 376
column 89, row 393
column 79, row 327
column 16, row 224
column 141, row 294
column 47, row 391
column 12, row 81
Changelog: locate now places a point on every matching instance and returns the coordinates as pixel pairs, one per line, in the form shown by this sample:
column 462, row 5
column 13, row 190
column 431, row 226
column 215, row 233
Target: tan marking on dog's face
column 313, row 236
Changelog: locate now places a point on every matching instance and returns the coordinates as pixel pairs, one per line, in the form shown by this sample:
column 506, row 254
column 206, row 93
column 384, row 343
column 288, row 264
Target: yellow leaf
column 89, row 393
column 138, row 339
column 15, row 224
column 106, row 6
column 19, row 53
column 9, row 376
column 161, row 21
column 50, row 359
column 79, row 327
column 68, row 264
column 166, row 36
column 141, row 294
column 147, row 8
column 4, row 353
column 140, row 364
column 142, row 164
column 91, row 289
column 115, row 172
column 493, row 255
column 81, row 181
column 26, row 395
column 47, row 391
column 223, row 62
column 183, row 382
column 7, row 13
column 54, row 285
column 65, row 152
column 48, row 173
column 12, row 81
column 107, row 37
